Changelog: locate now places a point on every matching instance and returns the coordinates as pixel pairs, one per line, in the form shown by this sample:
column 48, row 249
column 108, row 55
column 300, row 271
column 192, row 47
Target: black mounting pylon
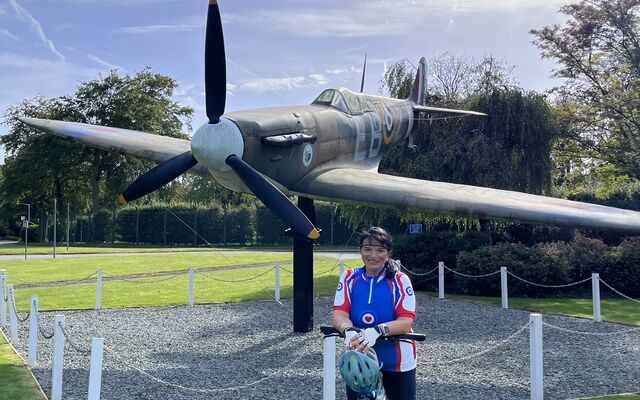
column 303, row 273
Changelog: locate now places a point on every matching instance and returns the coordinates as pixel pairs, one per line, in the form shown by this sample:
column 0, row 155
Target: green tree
column 41, row 166
column 508, row 150
column 598, row 53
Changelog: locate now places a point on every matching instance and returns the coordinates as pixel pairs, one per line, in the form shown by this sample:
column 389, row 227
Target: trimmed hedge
column 552, row 264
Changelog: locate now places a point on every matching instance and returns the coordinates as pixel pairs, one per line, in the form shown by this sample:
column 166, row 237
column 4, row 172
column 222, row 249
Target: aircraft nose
column 213, row 143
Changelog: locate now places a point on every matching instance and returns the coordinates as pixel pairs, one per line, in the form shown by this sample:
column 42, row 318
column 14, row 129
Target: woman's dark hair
column 385, row 239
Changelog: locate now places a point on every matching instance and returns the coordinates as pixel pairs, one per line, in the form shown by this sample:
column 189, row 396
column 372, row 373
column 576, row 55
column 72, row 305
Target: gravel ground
column 224, row 349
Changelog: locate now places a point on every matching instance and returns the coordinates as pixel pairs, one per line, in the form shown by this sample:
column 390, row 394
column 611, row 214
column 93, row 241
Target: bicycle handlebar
column 418, row 337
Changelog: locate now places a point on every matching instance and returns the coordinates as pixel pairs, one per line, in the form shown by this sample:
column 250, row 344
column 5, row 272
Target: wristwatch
column 383, row 329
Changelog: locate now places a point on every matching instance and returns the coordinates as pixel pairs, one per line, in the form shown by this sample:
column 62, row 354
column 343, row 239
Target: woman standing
column 379, row 299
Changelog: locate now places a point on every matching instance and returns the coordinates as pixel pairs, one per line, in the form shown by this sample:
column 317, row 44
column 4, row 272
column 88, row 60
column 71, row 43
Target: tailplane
column 419, row 91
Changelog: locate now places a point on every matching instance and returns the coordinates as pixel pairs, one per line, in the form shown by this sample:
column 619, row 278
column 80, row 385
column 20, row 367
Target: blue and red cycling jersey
column 370, row 301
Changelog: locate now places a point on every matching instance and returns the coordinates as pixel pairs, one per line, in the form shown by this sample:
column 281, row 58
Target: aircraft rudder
column 419, row 90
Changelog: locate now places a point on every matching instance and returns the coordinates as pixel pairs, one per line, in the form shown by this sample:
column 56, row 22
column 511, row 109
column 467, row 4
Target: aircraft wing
column 124, row 141
column 374, row 189
column 419, row 108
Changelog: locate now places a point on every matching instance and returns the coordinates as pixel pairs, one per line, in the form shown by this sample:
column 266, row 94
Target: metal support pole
column 58, row 357
column 503, row 287
column 329, row 369
column 99, row 289
column 303, row 273
column 68, row 226
column 441, row 280
column 33, row 331
column 595, row 289
column 55, row 225
column 3, row 301
column 535, row 356
column 95, row 370
column 341, row 268
column 190, row 297
column 164, row 229
column 13, row 317
column 277, row 272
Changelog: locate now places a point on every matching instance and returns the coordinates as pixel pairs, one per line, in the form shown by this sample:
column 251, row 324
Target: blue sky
column 279, row 52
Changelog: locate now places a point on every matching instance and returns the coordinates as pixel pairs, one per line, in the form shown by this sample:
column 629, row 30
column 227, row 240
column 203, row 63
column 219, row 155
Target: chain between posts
column 621, row 294
column 549, row 286
column 620, row 332
column 471, row 276
column 217, row 390
column 71, row 342
column 41, row 330
column 139, row 280
column 418, row 273
column 236, row 280
column 483, row 352
column 13, row 307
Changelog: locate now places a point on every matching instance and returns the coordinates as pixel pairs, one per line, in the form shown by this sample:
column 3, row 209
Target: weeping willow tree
column 509, row 150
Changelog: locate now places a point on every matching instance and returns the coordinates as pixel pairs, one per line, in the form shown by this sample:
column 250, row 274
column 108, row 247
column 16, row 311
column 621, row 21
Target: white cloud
column 319, row 79
column 337, row 71
column 272, row 84
column 24, row 15
column 104, row 63
column 374, row 18
column 138, row 30
column 5, row 34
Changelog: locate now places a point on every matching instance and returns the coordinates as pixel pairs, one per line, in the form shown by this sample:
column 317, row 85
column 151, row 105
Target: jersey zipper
column 370, row 290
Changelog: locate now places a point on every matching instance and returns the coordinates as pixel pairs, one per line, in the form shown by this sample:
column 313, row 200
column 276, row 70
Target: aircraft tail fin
column 419, row 91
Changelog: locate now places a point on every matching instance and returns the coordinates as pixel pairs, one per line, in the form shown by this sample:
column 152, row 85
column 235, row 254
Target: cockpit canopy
column 342, row 99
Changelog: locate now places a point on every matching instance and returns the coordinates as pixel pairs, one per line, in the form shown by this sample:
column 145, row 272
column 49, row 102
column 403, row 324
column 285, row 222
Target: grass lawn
column 209, row 287
column 60, row 269
column 82, row 248
column 612, row 309
column 16, row 382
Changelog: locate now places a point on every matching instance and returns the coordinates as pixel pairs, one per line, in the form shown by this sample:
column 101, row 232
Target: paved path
column 349, row 255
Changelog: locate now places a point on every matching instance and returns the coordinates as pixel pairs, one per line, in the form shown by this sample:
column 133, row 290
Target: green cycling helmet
column 360, row 372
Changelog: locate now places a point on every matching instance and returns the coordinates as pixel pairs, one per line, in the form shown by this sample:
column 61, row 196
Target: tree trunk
column 485, row 226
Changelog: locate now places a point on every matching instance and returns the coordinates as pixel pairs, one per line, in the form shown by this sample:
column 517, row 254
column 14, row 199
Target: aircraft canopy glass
column 341, row 99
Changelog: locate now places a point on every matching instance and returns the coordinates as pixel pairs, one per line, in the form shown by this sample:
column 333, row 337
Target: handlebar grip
column 418, row 337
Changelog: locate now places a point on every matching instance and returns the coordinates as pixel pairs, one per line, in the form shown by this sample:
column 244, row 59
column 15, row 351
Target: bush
column 422, row 252
column 545, row 264
column 624, row 273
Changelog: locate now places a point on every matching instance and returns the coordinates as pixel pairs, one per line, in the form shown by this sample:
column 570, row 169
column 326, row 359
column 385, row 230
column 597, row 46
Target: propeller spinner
column 219, row 144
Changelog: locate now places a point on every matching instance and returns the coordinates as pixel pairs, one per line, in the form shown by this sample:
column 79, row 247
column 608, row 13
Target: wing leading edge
column 124, row 141
column 370, row 188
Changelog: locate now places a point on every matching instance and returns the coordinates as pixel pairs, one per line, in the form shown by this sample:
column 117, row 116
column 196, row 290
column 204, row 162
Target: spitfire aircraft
column 329, row 150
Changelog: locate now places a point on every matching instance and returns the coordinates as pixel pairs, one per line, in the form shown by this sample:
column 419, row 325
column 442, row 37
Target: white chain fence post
column 277, row 278
column 99, row 289
column 329, row 369
column 95, row 370
column 535, row 356
column 341, row 268
column 595, row 290
column 13, row 317
column 504, row 288
column 33, row 331
column 441, row 280
column 191, row 278
column 3, row 298
column 58, row 357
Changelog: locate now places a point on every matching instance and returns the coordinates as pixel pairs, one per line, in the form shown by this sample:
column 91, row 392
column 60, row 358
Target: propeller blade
column 215, row 69
column 273, row 198
column 158, row 177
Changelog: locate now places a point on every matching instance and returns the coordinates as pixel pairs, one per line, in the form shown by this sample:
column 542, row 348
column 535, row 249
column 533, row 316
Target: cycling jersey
column 370, row 301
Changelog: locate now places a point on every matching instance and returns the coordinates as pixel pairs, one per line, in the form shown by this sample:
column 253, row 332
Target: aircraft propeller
column 218, row 144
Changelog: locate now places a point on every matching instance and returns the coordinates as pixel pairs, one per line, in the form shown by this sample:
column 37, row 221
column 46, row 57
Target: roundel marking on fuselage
column 307, row 155
column 389, row 131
